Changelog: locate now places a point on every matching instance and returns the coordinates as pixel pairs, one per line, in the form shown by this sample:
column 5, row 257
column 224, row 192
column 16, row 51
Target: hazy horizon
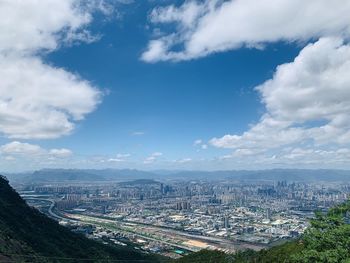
column 173, row 170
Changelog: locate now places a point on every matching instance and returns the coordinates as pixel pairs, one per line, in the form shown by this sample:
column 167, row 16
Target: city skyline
column 167, row 85
column 176, row 217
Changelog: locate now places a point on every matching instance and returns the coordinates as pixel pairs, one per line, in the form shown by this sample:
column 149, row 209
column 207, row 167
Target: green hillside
column 26, row 235
column 327, row 240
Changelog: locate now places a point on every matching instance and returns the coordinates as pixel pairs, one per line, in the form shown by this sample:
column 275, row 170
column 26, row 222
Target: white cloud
column 116, row 160
column 186, row 14
column 30, row 26
column 9, row 158
column 214, row 26
column 307, row 101
column 184, row 160
column 197, row 142
column 38, row 100
column 307, row 106
column 301, row 157
column 310, row 156
column 30, row 151
column 19, row 148
column 152, row 158
column 268, row 133
column 18, row 156
column 121, row 157
column 61, row 153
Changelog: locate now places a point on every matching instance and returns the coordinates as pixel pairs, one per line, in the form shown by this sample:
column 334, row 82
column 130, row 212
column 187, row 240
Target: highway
column 50, row 210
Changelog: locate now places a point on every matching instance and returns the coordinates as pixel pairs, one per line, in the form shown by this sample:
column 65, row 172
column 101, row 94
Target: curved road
column 50, row 210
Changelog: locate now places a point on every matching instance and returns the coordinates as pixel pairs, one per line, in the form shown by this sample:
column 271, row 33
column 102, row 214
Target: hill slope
column 26, row 235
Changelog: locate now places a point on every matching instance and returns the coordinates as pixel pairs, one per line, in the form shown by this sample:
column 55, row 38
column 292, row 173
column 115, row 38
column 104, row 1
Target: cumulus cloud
column 307, row 107
column 19, row 148
column 200, row 144
column 197, row 142
column 30, row 151
column 114, row 160
column 38, row 100
column 304, row 157
column 121, row 157
column 30, row 26
column 41, row 101
column 20, row 156
column 61, row 153
column 205, row 27
column 306, row 102
column 152, row 158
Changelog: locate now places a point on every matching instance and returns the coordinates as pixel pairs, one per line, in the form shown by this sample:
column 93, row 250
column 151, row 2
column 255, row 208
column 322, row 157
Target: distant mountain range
column 74, row 175
column 26, row 235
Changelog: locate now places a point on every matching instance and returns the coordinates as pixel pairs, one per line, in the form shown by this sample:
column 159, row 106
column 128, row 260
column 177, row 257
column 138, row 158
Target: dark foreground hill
column 327, row 240
column 26, row 235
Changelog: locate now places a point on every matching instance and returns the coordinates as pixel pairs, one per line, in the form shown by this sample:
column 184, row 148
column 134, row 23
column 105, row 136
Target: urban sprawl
column 174, row 218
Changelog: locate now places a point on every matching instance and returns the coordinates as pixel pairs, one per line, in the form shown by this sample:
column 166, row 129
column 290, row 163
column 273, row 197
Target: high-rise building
column 226, row 222
column 268, row 213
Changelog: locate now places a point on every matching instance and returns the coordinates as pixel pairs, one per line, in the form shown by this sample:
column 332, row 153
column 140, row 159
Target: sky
column 173, row 84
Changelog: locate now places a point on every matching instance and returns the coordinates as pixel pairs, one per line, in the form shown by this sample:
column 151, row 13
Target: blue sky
column 169, row 106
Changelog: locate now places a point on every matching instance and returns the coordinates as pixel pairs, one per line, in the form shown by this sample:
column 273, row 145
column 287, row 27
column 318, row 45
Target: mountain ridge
column 73, row 175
